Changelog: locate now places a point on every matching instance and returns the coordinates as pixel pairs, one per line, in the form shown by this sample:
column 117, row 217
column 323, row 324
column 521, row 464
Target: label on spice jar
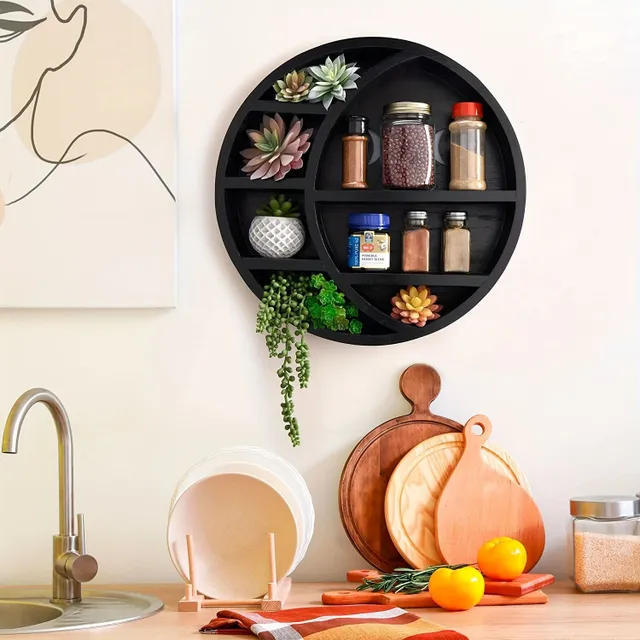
column 369, row 250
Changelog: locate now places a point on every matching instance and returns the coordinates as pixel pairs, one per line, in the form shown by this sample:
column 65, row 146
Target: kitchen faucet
column 71, row 564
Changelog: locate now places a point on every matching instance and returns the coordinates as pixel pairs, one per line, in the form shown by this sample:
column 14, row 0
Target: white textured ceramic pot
column 276, row 237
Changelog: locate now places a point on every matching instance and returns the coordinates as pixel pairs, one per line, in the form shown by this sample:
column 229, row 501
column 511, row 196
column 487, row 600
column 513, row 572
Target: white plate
column 230, row 516
column 291, row 486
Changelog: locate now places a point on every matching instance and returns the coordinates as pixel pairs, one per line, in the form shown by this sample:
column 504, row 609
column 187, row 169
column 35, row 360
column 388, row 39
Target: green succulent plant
column 332, row 80
column 280, row 207
column 294, row 87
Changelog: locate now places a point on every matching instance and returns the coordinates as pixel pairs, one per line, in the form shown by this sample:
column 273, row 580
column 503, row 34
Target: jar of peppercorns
column 408, row 137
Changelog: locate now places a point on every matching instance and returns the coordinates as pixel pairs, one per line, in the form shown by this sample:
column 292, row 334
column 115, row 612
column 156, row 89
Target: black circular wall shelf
column 390, row 70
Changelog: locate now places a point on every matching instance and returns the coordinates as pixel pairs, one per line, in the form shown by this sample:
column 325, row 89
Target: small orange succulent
column 415, row 305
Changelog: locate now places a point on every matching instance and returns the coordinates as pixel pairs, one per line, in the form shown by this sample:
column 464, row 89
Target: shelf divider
column 406, row 279
column 282, row 264
column 287, row 184
column 293, row 108
column 410, row 196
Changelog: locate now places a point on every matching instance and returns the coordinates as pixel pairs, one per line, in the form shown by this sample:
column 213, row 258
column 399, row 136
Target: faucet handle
column 82, row 539
column 80, row 566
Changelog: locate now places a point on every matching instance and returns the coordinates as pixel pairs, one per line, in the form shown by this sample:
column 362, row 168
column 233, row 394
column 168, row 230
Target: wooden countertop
column 567, row 616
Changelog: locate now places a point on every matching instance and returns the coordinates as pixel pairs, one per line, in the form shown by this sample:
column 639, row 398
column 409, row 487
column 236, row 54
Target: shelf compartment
column 489, row 225
column 242, row 205
column 392, row 196
column 470, row 280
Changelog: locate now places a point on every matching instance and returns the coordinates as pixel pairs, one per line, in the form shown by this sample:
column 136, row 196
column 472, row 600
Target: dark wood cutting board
column 370, row 465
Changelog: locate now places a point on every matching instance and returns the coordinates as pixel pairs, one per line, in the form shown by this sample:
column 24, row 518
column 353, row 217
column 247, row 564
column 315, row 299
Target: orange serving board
column 421, row 600
column 477, row 504
column 526, row 583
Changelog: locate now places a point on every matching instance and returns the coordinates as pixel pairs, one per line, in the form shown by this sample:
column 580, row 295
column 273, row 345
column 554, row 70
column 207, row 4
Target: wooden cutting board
column 365, row 476
column 526, row 583
column 483, row 503
column 415, row 486
column 421, row 600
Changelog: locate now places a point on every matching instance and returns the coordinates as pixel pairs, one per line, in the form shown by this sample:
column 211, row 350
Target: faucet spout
column 11, row 436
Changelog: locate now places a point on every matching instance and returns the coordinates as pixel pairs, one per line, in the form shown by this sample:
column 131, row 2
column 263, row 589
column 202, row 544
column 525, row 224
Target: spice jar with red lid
column 467, row 147
column 408, row 137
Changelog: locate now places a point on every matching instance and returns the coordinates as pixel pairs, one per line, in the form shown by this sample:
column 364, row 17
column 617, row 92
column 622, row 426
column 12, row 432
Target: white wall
column 550, row 355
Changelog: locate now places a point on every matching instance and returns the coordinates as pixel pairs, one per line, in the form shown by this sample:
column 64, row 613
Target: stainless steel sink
column 32, row 611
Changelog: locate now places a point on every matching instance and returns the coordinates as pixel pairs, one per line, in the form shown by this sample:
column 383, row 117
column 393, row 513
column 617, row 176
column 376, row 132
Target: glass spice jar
column 606, row 544
column 354, row 154
column 415, row 242
column 467, row 147
column 369, row 241
column 408, row 140
column 456, row 240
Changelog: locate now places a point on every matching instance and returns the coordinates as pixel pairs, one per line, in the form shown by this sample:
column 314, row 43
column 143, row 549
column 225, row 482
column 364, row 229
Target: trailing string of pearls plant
column 295, row 301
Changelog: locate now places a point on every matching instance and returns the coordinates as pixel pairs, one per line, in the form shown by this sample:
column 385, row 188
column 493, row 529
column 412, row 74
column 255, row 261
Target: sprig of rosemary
column 404, row 580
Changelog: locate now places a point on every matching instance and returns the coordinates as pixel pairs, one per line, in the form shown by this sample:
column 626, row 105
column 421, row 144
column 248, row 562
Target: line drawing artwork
column 87, row 153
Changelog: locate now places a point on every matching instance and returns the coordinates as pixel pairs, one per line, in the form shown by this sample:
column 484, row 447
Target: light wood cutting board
column 370, row 465
column 415, row 487
column 480, row 503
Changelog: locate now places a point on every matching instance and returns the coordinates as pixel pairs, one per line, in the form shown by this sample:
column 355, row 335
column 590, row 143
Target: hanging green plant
column 288, row 302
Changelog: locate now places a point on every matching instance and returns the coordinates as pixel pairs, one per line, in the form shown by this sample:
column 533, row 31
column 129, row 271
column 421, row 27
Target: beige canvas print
column 87, row 154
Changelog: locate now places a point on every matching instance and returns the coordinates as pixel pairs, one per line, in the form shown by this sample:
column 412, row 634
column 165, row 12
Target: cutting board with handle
column 365, row 476
column 415, row 487
column 421, row 600
column 526, row 583
column 477, row 504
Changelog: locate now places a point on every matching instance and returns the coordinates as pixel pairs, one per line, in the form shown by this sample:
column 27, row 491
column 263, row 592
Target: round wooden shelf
column 390, row 70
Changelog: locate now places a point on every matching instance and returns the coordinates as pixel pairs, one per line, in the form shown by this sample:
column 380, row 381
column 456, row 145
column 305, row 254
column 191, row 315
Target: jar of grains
column 467, row 147
column 408, row 137
column 606, row 543
column 369, row 241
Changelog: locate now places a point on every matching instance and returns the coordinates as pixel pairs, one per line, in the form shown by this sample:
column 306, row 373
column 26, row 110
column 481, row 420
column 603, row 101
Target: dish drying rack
column 274, row 600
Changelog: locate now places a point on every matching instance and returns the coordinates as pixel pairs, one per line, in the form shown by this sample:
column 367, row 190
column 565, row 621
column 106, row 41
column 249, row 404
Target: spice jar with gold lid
column 606, row 543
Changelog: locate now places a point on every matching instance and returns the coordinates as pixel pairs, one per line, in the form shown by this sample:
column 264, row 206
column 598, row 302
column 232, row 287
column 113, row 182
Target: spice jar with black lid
column 408, row 140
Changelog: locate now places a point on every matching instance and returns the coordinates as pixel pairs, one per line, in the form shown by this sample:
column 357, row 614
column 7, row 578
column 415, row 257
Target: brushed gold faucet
column 71, row 564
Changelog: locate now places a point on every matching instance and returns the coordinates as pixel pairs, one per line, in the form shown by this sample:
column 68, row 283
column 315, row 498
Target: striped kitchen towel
column 355, row 622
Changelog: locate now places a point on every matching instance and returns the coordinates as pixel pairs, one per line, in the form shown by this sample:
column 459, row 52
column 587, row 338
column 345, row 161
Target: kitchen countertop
column 567, row 616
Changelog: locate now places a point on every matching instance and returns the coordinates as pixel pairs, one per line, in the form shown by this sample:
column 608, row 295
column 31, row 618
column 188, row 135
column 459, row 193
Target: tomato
column 456, row 589
column 502, row 559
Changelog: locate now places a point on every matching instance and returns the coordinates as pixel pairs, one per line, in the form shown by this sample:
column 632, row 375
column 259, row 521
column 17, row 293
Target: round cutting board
column 415, row 486
column 365, row 476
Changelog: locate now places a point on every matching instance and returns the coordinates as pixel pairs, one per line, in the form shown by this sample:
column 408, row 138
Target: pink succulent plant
column 275, row 150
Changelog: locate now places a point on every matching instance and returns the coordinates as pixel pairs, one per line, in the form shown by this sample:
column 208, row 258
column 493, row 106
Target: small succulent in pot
column 294, row 87
column 275, row 149
column 332, row 80
column 415, row 305
column 277, row 231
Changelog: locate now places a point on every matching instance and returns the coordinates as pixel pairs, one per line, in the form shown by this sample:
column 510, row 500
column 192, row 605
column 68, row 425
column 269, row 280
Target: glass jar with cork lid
column 606, row 543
